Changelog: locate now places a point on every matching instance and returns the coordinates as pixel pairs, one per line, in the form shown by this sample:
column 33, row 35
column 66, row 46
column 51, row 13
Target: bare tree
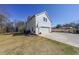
column 3, row 18
column 20, row 25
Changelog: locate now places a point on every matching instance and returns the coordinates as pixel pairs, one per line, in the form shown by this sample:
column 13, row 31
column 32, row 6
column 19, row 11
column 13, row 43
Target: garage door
column 44, row 30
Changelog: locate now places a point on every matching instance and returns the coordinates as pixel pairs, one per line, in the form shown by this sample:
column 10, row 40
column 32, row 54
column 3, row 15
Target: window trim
column 45, row 19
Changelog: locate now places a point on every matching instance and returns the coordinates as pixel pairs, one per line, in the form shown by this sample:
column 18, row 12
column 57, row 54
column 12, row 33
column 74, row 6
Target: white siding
column 31, row 25
column 39, row 25
column 42, row 23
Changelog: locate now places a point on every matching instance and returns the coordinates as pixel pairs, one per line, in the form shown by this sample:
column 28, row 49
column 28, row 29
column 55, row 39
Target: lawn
column 33, row 45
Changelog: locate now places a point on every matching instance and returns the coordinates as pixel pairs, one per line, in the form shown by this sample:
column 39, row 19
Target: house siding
column 36, row 24
column 31, row 25
column 41, row 23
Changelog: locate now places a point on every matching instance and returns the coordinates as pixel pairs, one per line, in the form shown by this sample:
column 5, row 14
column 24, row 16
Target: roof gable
column 30, row 18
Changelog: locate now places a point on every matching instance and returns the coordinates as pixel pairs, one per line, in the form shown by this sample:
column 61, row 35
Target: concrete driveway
column 67, row 38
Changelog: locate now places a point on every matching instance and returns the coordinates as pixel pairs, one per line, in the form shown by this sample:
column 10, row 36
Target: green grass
column 33, row 45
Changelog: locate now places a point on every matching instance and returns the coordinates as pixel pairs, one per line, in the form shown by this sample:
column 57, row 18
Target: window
column 44, row 19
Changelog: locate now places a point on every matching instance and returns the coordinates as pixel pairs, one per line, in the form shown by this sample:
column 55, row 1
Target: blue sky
column 58, row 13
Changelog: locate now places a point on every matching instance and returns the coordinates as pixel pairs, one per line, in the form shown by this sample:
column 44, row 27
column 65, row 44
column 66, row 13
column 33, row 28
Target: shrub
column 77, row 31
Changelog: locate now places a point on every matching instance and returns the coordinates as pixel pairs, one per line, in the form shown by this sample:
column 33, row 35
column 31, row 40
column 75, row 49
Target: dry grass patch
column 33, row 45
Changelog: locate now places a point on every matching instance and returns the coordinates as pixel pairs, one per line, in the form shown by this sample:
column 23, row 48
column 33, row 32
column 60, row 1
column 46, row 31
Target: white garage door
column 44, row 30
